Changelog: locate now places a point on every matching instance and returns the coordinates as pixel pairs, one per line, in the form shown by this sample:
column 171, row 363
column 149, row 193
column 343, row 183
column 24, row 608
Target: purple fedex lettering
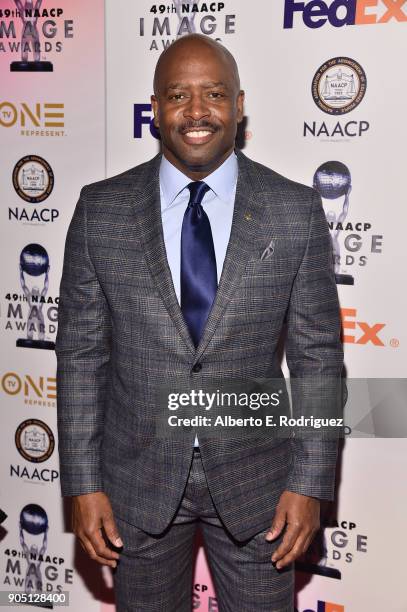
column 142, row 118
column 317, row 12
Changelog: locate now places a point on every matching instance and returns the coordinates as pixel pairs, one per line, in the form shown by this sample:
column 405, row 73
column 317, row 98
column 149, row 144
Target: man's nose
column 197, row 108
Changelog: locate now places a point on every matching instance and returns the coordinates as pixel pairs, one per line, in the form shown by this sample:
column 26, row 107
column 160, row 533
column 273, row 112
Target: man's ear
column 240, row 106
column 154, row 106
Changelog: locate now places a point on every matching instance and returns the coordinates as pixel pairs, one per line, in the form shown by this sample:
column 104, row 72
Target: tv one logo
column 316, row 13
column 37, row 115
column 40, row 388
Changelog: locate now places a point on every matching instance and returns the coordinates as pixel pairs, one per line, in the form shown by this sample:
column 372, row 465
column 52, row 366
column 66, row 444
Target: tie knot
column 197, row 189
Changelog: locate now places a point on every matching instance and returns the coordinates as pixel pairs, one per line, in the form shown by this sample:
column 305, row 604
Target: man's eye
column 215, row 94
column 177, row 97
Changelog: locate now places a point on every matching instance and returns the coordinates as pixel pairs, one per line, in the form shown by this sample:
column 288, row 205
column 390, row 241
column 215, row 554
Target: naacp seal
column 339, row 85
column 33, row 179
column 34, row 440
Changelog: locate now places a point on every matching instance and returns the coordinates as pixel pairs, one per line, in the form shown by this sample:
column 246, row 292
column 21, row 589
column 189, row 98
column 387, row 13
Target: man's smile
column 197, row 136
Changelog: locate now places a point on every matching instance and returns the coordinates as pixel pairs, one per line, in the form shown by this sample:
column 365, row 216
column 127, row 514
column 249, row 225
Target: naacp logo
column 34, row 440
column 339, row 85
column 33, row 179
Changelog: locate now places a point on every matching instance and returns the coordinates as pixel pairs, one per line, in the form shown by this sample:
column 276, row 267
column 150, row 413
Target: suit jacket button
column 197, row 367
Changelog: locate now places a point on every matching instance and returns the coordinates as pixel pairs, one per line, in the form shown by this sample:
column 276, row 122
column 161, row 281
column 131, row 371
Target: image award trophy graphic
column 34, row 523
column 34, row 262
column 30, row 39
column 332, row 180
column 186, row 19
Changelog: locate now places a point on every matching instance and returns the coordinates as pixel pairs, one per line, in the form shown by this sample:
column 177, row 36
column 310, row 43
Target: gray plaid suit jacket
column 121, row 333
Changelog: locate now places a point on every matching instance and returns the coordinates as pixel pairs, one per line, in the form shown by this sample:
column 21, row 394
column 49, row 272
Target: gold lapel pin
column 248, row 216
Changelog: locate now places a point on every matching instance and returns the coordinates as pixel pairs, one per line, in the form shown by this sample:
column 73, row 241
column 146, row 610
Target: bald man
column 184, row 270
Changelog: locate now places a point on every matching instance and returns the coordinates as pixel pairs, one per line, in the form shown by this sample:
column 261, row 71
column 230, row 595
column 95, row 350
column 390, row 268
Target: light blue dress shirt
column 218, row 204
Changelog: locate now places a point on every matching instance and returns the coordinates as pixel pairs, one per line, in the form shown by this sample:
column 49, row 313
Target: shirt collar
column 222, row 181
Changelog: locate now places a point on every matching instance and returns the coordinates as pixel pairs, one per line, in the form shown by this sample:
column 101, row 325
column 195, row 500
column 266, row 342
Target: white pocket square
column 268, row 251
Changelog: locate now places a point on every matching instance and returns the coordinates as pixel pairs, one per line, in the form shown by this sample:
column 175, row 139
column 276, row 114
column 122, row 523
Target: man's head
column 197, row 104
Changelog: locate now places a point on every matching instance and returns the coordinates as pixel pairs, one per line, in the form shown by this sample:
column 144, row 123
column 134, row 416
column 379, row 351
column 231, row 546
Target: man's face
column 197, row 107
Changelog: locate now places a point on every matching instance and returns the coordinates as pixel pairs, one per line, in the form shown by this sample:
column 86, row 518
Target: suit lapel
column 242, row 245
column 150, row 233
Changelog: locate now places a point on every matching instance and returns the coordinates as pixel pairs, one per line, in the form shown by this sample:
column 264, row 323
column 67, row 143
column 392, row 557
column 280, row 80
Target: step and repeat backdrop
column 325, row 105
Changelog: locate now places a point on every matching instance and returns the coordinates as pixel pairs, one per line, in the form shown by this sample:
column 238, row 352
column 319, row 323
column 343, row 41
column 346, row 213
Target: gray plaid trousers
column 155, row 572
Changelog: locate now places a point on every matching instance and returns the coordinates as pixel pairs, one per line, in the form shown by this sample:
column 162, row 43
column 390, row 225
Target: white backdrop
column 104, row 79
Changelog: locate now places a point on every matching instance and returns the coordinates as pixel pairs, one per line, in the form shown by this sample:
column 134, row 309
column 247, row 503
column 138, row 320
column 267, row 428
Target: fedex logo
column 142, row 115
column 326, row 606
column 360, row 331
column 338, row 13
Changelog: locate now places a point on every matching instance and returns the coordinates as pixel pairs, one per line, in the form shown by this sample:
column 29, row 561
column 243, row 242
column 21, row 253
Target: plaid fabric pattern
column 121, row 334
column 155, row 572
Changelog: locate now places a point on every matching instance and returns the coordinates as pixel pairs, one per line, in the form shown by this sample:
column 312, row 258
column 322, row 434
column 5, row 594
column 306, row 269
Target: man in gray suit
column 184, row 270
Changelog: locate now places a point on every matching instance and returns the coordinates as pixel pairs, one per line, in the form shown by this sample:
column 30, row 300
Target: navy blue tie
column 199, row 279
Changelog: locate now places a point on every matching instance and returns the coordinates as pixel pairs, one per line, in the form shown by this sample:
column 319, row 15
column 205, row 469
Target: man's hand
column 301, row 514
column 90, row 513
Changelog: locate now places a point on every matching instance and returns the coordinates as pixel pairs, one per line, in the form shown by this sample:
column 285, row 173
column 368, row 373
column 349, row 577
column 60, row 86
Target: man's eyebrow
column 215, row 84
column 206, row 85
column 175, row 86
